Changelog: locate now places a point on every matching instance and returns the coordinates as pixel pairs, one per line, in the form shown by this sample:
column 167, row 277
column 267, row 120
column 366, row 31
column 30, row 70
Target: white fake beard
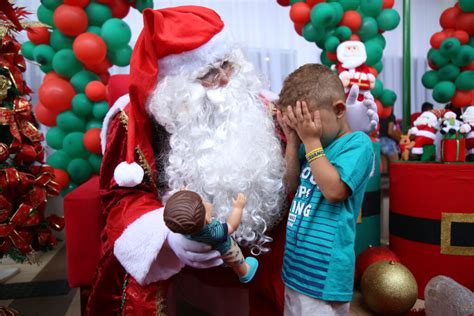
column 353, row 61
column 223, row 142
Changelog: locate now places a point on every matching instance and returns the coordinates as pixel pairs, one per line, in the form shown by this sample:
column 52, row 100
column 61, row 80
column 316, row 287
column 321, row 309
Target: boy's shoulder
column 357, row 140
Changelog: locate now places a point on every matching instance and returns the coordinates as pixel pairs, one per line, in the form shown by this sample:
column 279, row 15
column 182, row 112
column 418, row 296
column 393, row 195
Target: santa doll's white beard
column 223, row 142
column 353, row 61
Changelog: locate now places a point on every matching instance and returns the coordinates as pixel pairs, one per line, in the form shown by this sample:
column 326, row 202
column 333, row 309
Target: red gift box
column 363, row 84
column 453, row 150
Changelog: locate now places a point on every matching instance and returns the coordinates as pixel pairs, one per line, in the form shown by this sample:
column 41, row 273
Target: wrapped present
column 453, row 150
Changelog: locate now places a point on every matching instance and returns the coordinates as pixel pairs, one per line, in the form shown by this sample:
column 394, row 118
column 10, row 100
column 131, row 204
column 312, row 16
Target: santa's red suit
column 424, row 135
column 134, row 222
column 359, row 76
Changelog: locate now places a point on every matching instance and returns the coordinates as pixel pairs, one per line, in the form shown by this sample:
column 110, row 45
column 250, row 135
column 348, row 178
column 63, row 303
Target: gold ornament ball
column 389, row 288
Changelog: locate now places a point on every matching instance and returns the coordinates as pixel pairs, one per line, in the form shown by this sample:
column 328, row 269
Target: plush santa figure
column 468, row 128
column 351, row 67
column 450, row 125
column 424, row 131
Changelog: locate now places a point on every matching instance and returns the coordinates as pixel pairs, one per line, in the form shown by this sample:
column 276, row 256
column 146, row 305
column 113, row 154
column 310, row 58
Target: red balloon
column 120, row 8
column 465, row 22
column 312, row 3
column 354, row 37
column 448, row 17
column 92, row 140
column 100, row 67
column 300, row 13
column 38, row 35
column 284, row 3
column 70, row 20
column 373, row 71
column 386, row 112
column 468, row 67
column 449, row 32
column 372, row 255
column 77, row 3
column 96, row 91
column 299, row 29
column 51, row 76
column 331, row 56
column 105, row 77
column 432, row 66
column 462, row 36
column 437, row 38
column 89, row 48
column 62, row 178
column 461, row 98
column 379, row 107
column 352, row 20
column 388, row 4
column 45, row 116
column 56, row 94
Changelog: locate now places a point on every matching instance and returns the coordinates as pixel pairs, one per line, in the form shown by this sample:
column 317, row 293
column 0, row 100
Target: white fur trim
column 216, row 49
column 470, row 135
column 142, row 251
column 118, row 106
column 417, row 150
column 413, row 130
column 470, row 151
column 426, row 134
column 128, row 174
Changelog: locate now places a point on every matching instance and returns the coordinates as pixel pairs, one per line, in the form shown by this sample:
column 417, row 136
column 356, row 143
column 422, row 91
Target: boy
column 331, row 164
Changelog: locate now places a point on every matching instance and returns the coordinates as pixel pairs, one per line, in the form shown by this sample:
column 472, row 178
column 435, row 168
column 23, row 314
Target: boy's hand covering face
column 289, row 131
column 307, row 125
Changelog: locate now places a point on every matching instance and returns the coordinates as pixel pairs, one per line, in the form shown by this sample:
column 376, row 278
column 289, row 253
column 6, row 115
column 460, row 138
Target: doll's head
column 185, row 213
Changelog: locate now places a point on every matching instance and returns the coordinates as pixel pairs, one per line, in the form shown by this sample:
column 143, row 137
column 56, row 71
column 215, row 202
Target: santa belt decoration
column 363, row 84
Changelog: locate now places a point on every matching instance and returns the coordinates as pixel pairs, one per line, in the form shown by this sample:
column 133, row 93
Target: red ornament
column 300, row 13
column 462, row 36
column 299, row 29
column 352, row 20
column 92, row 140
column 45, row 116
column 437, row 38
column 120, row 8
column 465, row 22
column 448, row 17
column 56, row 95
column 388, row 4
column 62, row 178
column 372, row 255
column 38, row 35
column 461, row 98
column 70, row 20
column 77, row 3
column 284, row 3
column 89, row 48
column 96, row 91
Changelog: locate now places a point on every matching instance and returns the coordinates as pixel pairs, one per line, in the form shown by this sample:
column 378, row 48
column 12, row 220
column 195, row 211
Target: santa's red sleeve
column 134, row 216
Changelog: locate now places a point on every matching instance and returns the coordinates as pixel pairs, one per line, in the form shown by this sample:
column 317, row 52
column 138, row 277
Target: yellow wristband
column 315, row 154
column 313, row 158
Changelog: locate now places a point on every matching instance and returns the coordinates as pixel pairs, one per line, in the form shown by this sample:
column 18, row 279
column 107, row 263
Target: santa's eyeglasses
column 218, row 75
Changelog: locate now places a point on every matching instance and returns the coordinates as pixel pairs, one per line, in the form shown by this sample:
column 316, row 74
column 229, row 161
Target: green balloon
column 66, row 64
column 371, row 7
column 141, row 5
column 450, row 47
column 438, row 59
column 292, row 2
column 380, row 39
column 379, row 67
column 80, row 80
column 98, row 14
column 375, row 41
column 388, row 19
column 116, row 33
column 121, row 56
column 43, row 54
column 60, row 41
column 325, row 60
column 471, row 41
column 46, row 68
column 349, row 4
column 339, row 12
column 331, row 44
column 378, row 88
column 51, row 4
column 45, row 15
column 59, row 160
column 465, row 56
column 79, row 170
column 388, row 97
column 100, row 109
column 27, row 49
column 465, row 81
column 55, row 137
column 324, row 14
column 94, row 29
column 374, row 53
column 343, row 33
column 81, row 105
column 70, row 122
column 74, row 146
column 312, row 33
column 93, row 124
column 444, row 91
column 368, row 29
column 95, row 161
column 71, row 186
column 448, row 72
column 430, row 79
column 466, row 5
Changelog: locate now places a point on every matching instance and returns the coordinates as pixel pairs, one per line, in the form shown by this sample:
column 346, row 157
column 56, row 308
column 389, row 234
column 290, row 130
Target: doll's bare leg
column 235, row 259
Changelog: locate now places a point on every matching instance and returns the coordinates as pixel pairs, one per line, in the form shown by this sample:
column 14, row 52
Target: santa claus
column 468, row 129
column 351, row 67
column 424, row 131
column 193, row 118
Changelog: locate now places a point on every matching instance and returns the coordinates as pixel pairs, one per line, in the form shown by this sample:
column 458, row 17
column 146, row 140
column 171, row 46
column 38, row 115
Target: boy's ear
column 339, row 108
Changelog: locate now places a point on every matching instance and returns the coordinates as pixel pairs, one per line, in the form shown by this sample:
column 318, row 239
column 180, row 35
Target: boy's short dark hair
column 314, row 83
column 426, row 106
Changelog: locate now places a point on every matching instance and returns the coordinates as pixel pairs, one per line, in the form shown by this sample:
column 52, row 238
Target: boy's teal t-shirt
column 319, row 255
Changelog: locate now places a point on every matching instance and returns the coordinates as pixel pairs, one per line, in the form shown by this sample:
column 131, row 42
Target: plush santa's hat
column 449, row 115
column 173, row 40
column 432, row 116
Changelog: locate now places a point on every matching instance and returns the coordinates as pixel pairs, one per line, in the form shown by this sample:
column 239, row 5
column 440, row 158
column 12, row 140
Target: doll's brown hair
column 184, row 212
column 314, row 83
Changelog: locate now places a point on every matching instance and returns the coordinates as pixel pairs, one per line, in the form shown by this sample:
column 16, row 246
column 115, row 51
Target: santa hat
column 449, row 115
column 468, row 115
column 433, row 116
column 173, row 40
